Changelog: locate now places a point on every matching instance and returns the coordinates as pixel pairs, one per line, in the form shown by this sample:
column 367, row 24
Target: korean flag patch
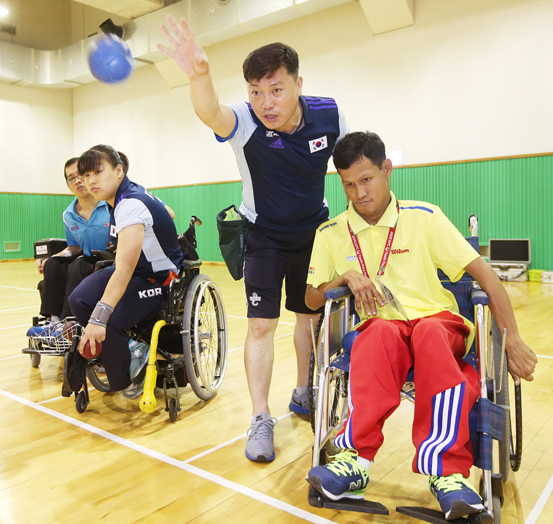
column 112, row 231
column 318, row 144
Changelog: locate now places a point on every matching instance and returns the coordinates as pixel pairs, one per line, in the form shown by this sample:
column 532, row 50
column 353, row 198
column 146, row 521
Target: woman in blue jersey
column 148, row 256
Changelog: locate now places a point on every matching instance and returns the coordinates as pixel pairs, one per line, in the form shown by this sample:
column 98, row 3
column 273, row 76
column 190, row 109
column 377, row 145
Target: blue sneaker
column 343, row 478
column 456, row 495
column 41, row 328
column 35, row 331
column 299, row 403
column 139, row 359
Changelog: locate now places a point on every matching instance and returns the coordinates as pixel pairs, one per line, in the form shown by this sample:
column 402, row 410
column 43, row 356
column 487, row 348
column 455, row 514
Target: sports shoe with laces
column 299, row 403
column 457, row 497
column 133, row 391
column 344, row 477
column 260, row 446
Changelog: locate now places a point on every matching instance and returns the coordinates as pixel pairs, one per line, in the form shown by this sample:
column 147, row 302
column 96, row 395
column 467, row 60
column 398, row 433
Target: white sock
column 54, row 318
column 365, row 463
column 300, row 391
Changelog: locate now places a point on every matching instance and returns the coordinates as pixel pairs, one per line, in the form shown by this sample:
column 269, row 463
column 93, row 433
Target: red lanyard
column 385, row 254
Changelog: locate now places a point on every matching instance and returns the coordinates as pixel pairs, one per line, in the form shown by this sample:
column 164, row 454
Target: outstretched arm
column 191, row 58
column 365, row 292
column 522, row 360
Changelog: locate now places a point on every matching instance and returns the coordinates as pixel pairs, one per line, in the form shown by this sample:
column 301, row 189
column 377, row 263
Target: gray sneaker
column 133, row 391
column 299, row 403
column 260, row 446
column 139, row 359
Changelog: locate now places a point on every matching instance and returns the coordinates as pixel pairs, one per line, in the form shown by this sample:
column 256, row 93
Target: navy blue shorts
column 273, row 257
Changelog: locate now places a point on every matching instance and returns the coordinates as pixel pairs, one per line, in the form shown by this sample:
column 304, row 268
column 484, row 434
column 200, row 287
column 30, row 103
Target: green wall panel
column 511, row 198
column 26, row 218
column 204, row 201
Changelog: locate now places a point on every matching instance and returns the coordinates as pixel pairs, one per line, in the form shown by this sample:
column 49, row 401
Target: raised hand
column 187, row 53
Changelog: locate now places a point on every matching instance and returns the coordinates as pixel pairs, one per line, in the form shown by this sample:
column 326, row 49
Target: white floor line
column 543, row 356
column 15, row 356
column 227, row 443
column 20, row 288
column 90, row 388
column 19, row 308
column 256, row 495
column 537, row 509
column 242, row 347
column 14, row 327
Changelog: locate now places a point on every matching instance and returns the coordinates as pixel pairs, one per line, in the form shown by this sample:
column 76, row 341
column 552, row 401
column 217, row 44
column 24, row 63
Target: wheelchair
column 187, row 336
column 48, row 339
column 490, row 418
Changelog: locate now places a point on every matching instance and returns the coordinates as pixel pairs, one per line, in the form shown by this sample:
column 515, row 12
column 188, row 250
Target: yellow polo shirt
column 425, row 240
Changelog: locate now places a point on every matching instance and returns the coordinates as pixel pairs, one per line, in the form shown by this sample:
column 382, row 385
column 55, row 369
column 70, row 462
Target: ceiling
column 44, row 43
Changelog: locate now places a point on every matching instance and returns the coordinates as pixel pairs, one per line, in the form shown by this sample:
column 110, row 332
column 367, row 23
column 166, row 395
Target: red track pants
column 446, row 390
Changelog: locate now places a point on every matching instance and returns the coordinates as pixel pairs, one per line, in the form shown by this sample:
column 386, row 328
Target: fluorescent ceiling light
column 3, row 11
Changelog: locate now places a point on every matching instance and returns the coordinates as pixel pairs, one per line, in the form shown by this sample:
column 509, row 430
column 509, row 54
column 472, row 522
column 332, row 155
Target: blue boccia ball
column 110, row 60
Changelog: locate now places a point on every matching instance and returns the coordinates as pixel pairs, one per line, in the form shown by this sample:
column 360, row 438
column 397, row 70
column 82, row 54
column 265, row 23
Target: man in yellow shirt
column 397, row 246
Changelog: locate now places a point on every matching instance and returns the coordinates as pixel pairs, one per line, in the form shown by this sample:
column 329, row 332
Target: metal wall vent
column 5, row 28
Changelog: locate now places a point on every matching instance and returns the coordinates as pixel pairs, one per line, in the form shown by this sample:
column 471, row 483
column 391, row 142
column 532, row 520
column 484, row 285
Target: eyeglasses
column 73, row 179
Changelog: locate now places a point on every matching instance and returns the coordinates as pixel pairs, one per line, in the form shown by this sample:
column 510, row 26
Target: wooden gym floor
column 115, row 464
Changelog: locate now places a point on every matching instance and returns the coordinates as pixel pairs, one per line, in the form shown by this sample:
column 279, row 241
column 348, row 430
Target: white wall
column 471, row 79
column 36, row 138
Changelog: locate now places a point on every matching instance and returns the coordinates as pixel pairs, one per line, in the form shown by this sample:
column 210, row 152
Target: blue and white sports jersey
column 283, row 174
column 136, row 205
column 89, row 235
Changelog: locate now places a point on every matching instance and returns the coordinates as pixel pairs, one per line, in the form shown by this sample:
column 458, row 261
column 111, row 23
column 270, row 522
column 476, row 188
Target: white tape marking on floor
column 20, row 288
column 15, row 327
column 537, row 509
column 242, row 347
column 543, row 356
column 19, row 308
column 16, row 356
column 256, row 495
column 227, row 443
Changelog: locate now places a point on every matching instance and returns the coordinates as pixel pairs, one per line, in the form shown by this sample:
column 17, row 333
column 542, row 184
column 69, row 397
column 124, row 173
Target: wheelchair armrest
column 102, row 255
column 479, row 296
column 337, row 292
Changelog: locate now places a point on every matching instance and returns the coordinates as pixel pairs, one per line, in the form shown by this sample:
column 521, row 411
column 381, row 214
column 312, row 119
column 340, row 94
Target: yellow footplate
column 148, row 401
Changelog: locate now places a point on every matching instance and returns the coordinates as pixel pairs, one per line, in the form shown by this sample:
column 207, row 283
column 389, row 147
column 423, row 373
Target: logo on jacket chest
column 112, row 231
column 317, row 144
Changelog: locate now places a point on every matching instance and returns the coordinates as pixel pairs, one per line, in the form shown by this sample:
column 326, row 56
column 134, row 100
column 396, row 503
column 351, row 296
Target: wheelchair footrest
column 437, row 517
column 363, row 506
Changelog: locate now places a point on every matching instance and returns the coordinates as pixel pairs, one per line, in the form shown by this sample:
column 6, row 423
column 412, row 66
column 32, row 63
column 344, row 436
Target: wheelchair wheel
column 502, row 399
column 173, row 411
column 205, row 343
column 337, row 388
column 313, row 383
column 96, row 373
column 81, row 402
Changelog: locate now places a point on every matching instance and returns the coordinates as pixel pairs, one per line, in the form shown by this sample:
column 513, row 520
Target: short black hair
column 354, row 146
column 90, row 160
column 70, row 162
column 267, row 60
